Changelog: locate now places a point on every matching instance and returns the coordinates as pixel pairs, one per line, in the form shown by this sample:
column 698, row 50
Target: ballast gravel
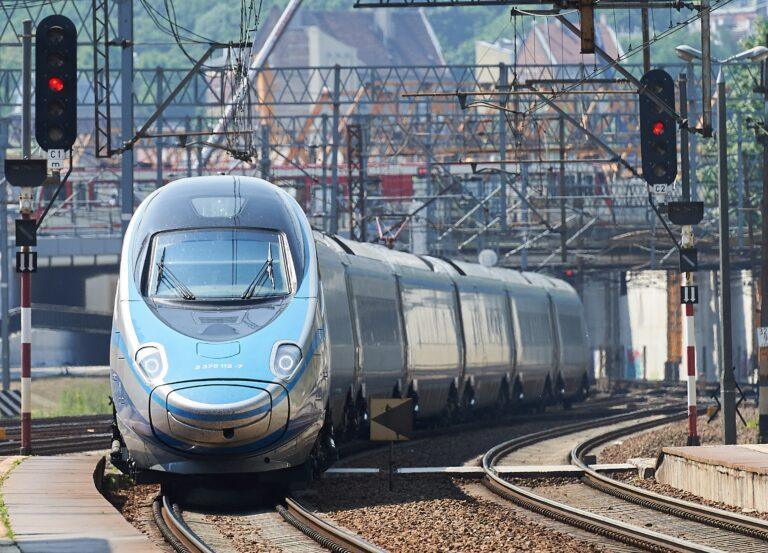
column 135, row 503
column 650, row 443
column 433, row 514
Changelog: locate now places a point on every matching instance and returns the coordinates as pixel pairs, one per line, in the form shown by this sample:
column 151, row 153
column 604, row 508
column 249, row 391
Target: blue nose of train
column 224, row 415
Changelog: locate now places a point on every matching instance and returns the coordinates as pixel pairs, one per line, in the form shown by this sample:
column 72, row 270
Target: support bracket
column 587, row 17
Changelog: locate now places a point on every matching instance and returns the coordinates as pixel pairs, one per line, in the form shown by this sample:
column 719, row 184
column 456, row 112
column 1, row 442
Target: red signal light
column 55, row 84
column 658, row 128
column 569, row 272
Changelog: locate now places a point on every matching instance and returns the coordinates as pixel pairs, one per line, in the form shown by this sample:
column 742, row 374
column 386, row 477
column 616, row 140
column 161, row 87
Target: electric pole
column 728, row 382
column 762, row 334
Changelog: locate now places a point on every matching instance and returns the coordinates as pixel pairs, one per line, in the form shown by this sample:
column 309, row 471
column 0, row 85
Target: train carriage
column 242, row 338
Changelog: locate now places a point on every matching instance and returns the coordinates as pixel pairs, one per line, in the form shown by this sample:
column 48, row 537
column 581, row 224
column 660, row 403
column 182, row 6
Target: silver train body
column 241, row 336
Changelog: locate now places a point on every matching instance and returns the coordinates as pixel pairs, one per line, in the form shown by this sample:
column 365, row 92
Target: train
column 246, row 342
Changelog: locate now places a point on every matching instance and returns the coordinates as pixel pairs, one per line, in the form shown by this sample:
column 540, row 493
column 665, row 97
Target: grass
column 4, row 516
column 116, row 481
column 69, row 396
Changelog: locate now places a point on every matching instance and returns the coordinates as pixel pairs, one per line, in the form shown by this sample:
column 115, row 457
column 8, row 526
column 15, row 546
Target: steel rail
column 170, row 521
column 705, row 514
column 323, row 532
column 592, row 522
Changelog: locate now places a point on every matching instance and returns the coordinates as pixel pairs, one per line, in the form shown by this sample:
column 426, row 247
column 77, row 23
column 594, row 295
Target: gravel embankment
column 433, row 514
column 650, row 443
column 243, row 537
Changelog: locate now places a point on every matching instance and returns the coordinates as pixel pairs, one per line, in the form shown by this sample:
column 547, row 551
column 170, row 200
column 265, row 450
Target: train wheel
column 517, row 392
column 546, row 397
column 567, row 402
column 451, row 411
column 351, row 420
column 414, row 405
column 325, row 453
column 503, row 402
column 583, row 388
column 467, row 403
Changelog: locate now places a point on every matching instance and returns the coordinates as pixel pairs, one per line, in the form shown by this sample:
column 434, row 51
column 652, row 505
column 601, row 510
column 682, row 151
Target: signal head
column 54, row 36
column 658, row 136
column 55, row 84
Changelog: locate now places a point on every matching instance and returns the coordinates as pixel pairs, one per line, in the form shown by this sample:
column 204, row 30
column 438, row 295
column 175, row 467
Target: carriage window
column 572, row 330
column 217, row 264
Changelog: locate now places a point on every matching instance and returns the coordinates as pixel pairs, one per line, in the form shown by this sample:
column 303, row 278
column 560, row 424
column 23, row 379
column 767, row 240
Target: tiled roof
column 551, row 43
column 409, row 41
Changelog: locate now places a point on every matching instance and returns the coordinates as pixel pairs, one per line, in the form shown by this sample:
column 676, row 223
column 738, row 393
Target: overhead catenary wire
column 629, row 53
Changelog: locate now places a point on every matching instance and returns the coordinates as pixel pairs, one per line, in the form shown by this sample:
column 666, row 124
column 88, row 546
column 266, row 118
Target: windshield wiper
column 173, row 282
column 264, row 270
column 269, row 265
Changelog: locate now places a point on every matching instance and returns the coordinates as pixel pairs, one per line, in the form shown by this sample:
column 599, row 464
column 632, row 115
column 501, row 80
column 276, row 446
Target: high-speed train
column 242, row 339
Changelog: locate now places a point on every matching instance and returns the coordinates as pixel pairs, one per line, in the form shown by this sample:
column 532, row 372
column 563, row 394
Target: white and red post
column 689, row 338
column 690, row 363
column 26, row 345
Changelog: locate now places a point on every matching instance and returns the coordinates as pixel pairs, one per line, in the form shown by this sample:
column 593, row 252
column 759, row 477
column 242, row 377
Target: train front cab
column 194, row 375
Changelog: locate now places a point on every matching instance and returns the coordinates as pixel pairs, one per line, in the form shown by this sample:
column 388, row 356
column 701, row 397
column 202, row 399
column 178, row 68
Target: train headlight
column 151, row 362
column 285, row 360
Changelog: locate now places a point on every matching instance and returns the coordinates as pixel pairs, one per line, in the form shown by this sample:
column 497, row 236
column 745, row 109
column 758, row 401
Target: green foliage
column 116, row 481
column 77, row 396
column 5, row 518
column 743, row 104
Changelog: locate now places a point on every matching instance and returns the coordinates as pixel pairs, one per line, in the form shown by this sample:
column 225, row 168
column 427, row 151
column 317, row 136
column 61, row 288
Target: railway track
column 177, row 529
column 57, row 435
column 169, row 518
column 633, row 516
column 726, row 520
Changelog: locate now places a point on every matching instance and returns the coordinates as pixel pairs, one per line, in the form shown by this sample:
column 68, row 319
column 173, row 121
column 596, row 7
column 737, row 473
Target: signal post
column 658, row 144
column 55, row 132
column 25, row 207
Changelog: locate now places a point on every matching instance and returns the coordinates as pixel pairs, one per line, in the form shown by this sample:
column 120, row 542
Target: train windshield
column 217, row 265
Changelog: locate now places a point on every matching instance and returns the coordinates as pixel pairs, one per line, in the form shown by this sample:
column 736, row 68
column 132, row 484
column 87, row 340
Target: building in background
column 736, row 20
column 639, row 312
column 353, row 37
column 548, row 43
